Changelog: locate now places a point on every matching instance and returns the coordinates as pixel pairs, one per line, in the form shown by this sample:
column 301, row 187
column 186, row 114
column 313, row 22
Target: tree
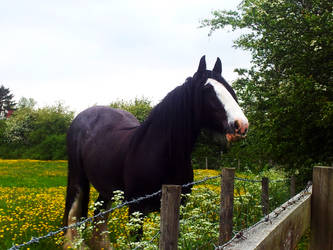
column 139, row 107
column 209, row 147
column 48, row 136
column 288, row 92
column 6, row 101
column 26, row 103
column 35, row 133
column 20, row 125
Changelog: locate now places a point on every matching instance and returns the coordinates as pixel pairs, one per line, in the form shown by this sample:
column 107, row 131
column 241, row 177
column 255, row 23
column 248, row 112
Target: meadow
column 32, row 199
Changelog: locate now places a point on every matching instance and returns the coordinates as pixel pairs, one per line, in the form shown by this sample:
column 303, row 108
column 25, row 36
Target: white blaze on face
column 230, row 105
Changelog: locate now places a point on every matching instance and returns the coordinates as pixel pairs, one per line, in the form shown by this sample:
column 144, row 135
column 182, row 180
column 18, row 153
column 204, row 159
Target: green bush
column 53, row 147
column 36, row 133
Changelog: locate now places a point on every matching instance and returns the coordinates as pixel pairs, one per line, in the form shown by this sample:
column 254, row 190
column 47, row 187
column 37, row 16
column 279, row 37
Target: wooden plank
column 170, row 204
column 227, row 204
column 322, row 209
column 281, row 232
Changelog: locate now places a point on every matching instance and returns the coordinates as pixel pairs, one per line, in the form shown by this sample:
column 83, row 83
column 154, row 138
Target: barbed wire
column 191, row 217
column 247, row 180
column 276, row 212
column 149, row 242
column 126, row 203
column 282, row 180
column 90, row 219
column 250, row 180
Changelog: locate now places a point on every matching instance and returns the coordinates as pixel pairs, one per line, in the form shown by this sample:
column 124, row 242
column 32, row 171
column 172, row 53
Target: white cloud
column 87, row 52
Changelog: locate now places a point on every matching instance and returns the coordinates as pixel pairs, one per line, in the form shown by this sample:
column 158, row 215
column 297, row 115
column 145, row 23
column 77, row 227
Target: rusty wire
column 90, row 219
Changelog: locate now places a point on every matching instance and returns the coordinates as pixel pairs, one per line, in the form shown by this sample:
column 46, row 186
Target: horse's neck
column 177, row 142
column 173, row 124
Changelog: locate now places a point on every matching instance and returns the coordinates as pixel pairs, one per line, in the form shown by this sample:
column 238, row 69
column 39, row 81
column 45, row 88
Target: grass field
column 32, row 199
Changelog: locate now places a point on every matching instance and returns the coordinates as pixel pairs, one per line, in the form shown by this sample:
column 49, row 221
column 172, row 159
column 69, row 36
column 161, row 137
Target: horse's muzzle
column 238, row 131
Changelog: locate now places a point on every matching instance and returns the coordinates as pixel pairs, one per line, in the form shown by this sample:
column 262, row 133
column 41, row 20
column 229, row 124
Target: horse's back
column 100, row 118
column 97, row 141
column 94, row 122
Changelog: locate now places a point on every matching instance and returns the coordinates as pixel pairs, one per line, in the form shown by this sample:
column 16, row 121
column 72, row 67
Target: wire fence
column 258, row 181
column 90, row 219
column 275, row 213
column 149, row 242
column 126, row 203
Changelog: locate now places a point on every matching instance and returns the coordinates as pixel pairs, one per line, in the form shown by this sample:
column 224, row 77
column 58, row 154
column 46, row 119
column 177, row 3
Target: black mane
column 176, row 117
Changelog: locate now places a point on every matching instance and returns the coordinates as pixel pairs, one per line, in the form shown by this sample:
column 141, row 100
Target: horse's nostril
column 245, row 131
column 236, row 124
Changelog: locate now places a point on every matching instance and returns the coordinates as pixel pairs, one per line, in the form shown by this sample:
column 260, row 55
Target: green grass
column 31, row 201
column 32, row 173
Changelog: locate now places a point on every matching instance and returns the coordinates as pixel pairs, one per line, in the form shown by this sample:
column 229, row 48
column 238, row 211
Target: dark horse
column 110, row 149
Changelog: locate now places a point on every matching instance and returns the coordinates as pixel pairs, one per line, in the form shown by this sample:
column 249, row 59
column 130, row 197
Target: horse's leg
column 100, row 236
column 77, row 199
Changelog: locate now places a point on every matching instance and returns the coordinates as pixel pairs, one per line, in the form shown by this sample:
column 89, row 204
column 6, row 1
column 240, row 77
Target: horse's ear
column 218, row 66
column 202, row 65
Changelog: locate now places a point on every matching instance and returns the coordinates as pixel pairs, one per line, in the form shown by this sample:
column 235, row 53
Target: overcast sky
column 94, row 52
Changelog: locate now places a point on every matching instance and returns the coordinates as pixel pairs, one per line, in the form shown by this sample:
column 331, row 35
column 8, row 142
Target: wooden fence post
column 322, row 208
column 264, row 195
column 292, row 186
column 227, row 204
column 170, row 204
column 206, row 163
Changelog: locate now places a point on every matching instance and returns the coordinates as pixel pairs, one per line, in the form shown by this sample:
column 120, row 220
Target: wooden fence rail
column 280, row 229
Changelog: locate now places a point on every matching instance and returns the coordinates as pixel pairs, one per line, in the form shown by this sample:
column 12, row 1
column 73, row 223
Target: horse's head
column 221, row 111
